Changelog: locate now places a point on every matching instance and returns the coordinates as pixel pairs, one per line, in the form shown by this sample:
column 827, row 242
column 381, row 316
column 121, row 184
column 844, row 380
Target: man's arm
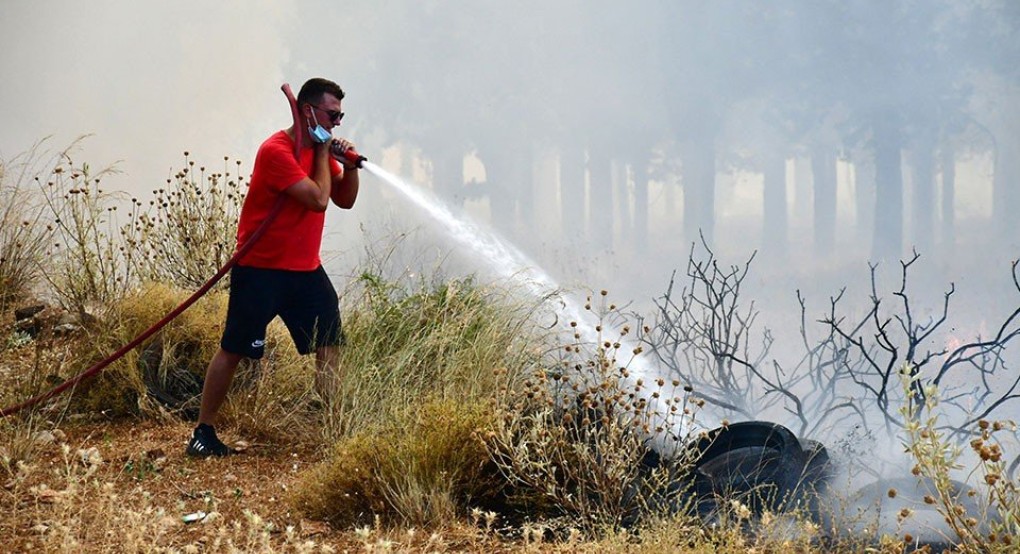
column 314, row 193
column 345, row 188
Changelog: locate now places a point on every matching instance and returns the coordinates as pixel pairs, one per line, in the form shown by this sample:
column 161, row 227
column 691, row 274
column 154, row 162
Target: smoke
column 599, row 137
column 149, row 81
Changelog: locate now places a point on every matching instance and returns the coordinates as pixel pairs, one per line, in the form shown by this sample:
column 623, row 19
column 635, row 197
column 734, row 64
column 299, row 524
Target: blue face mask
column 319, row 134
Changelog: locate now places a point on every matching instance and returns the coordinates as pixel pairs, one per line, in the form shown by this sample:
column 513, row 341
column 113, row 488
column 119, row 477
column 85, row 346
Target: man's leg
column 218, row 377
column 327, row 372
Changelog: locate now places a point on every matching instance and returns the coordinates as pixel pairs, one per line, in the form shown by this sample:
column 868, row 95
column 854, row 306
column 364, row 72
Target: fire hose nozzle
column 349, row 154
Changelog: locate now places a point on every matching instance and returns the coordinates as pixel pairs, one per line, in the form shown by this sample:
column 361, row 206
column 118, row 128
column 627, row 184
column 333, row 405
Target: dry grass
column 420, row 469
column 415, row 340
column 186, row 344
column 22, row 236
column 455, row 427
column 114, row 487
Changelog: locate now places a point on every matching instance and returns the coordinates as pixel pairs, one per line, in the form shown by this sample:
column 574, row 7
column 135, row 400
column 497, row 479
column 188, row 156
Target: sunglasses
column 334, row 115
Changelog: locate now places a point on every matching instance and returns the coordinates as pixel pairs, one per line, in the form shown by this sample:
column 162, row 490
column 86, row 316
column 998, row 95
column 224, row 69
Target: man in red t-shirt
column 282, row 274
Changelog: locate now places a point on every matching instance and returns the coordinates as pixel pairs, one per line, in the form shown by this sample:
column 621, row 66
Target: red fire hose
column 100, row 366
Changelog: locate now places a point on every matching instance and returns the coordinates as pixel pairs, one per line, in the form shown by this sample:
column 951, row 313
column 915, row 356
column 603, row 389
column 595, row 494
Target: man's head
column 319, row 101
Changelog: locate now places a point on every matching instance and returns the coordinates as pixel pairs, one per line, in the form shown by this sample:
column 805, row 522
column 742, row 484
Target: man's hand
column 314, row 191
column 338, row 148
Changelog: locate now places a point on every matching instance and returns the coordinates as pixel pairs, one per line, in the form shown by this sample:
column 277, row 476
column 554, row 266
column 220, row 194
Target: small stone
column 28, row 311
column 90, row 456
column 44, row 437
column 46, row 495
column 311, row 528
column 65, row 329
column 157, row 457
column 193, row 517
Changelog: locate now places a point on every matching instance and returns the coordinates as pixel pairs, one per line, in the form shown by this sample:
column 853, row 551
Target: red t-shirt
column 293, row 239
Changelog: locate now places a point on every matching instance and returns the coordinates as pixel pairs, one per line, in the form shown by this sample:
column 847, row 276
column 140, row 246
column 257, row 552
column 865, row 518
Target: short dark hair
column 313, row 89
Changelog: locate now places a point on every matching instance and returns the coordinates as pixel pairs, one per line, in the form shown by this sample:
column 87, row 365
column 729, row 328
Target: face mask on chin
column 319, row 134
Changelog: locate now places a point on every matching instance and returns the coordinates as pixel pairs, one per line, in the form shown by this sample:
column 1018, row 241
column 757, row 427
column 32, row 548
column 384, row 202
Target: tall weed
column 274, row 398
column 188, row 230
column 86, row 266
column 23, row 234
column 937, row 457
column 577, row 436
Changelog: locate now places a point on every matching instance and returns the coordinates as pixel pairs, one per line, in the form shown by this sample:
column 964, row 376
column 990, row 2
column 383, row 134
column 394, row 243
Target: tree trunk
column 823, row 173
column 506, row 174
column 864, row 198
column 524, row 188
column 699, row 190
column 1006, row 176
column 572, row 181
column 923, row 212
column 774, row 219
column 622, row 224
column 887, row 240
column 600, row 203
column 802, row 199
column 1006, row 191
column 641, row 206
column 448, row 176
column 948, row 200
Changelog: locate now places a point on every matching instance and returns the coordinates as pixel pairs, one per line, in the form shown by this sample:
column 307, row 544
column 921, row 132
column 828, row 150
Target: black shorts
column 305, row 300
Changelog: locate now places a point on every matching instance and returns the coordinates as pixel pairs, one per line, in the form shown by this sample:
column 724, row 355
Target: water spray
column 512, row 264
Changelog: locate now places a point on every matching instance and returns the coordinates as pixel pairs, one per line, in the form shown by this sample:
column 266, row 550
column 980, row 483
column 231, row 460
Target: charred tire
column 174, row 387
column 174, row 377
column 760, row 464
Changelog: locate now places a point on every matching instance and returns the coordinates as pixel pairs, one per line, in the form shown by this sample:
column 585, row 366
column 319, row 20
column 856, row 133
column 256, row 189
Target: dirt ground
column 151, row 455
column 147, row 457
